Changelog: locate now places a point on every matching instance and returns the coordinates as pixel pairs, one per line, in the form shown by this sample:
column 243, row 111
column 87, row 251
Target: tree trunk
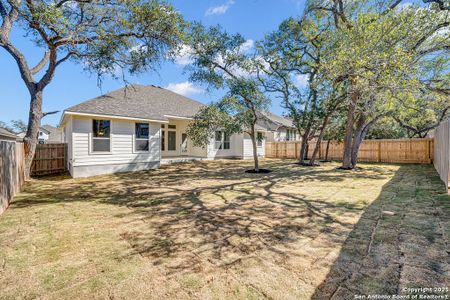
column 34, row 123
column 319, row 141
column 357, row 139
column 348, row 140
column 304, row 146
column 255, row 149
column 326, row 151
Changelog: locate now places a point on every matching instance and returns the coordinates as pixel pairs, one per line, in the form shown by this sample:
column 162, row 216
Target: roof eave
column 72, row 113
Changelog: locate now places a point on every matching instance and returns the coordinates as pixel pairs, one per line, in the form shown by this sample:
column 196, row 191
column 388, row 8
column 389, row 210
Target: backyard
column 209, row 230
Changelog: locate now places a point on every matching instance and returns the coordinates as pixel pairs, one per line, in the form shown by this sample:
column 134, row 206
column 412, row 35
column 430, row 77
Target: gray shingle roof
column 7, row 134
column 280, row 121
column 140, row 101
column 55, row 135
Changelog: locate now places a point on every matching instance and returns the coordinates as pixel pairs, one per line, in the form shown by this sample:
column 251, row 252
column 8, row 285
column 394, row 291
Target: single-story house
column 47, row 135
column 283, row 129
column 6, row 135
column 140, row 127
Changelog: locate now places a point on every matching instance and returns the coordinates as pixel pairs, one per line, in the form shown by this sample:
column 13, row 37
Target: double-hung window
column 221, row 140
column 101, row 137
column 218, row 140
column 291, row 135
column 171, row 138
column 226, row 141
column 259, row 139
column 141, row 137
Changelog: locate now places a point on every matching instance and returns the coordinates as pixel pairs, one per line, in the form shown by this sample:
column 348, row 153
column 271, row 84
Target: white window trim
column 135, row 139
column 167, row 140
column 91, row 139
column 222, row 141
column 262, row 140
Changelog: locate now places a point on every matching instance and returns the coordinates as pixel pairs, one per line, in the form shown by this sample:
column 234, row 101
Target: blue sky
column 72, row 85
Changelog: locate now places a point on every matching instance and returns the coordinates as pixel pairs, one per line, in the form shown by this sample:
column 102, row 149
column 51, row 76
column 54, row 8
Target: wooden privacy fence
column 442, row 151
column 49, row 159
column 390, row 151
column 12, row 171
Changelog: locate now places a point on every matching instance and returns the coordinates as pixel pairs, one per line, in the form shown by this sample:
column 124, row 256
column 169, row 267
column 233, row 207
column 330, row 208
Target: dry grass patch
column 208, row 230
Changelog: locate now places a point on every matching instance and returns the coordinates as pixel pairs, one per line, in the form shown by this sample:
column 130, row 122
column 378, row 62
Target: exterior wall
column 181, row 126
column 280, row 136
column 122, row 156
column 248, row 147
column 43, row 137
column 86, row 171
column 68, row 139
column 235, row 151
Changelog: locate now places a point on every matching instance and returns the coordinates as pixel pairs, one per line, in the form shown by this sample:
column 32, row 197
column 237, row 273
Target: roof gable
column 142, row 102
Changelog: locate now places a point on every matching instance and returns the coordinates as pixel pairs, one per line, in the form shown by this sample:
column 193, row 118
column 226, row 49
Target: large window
column 221, row 140
column 218, row 140
column 291, row 135
column 259, row 139
column 101, row 138
column 172, row 140
column 226, row 141
column 141, row 137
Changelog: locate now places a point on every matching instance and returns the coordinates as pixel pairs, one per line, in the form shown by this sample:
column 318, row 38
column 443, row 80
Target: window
column 172, row 139
column 163, row 140
column 291, row 135
column 221, row 140
column 218, row 140
column 40, row 133
column 141, row 137
column 172, row 126
column 101, row 138
column 259, row 139
column 226, row 140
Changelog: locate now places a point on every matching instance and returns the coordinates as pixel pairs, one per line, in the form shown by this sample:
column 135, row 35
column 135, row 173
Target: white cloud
column 247, row 46
column 184, row 88
column 219, row 10
column 301, row 80
column 184, row 56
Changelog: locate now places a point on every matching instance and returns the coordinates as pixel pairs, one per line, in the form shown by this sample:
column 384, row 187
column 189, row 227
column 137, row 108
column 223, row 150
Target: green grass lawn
column 209, row 230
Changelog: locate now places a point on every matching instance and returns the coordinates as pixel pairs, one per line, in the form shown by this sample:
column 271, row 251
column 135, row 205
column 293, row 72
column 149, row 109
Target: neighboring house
column 6, row 135
column 47, row 135
column 138, row 128
column 283, row 129
column 54, row 134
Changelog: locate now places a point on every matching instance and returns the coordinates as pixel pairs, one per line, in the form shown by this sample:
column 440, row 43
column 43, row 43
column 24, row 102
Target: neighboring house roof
column 43, row 129
column 54, row 134
column 280, row 121
column 6, row 134
column 140, row 101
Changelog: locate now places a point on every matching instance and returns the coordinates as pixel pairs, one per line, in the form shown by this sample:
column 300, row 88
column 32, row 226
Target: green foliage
column 217, row 116
column 105, row 37
column 386, row 128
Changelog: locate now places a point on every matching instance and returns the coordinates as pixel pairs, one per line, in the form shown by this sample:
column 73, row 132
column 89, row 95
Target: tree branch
column 50, row 113
column 440, row 4
column 41, row 64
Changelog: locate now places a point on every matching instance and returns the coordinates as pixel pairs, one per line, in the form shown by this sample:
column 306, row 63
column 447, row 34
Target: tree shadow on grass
column 189, row 217
column 398, row 243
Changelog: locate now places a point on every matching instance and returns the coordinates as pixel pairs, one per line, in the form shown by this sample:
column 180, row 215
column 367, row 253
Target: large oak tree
column 103, row 36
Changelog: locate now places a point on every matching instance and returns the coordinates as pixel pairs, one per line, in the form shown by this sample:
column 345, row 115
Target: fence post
column 379, row 151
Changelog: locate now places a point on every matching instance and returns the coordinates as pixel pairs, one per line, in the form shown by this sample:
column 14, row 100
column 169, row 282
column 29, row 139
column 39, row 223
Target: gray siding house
column 140, row 127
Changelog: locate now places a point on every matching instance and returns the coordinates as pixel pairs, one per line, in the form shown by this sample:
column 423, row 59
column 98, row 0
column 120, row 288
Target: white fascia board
column 178, row 118
column 112, row 117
